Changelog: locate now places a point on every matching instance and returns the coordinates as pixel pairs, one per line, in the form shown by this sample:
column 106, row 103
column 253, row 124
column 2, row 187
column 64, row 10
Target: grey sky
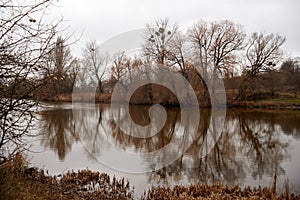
column 102, row 19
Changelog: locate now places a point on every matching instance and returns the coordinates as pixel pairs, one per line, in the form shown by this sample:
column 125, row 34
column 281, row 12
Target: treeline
column 252, row 66
column 281, row 81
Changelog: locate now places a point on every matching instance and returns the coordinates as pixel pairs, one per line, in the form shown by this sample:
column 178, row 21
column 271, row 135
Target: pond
column 252, row 146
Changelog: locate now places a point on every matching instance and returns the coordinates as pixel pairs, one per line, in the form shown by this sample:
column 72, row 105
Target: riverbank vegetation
column 18, row 181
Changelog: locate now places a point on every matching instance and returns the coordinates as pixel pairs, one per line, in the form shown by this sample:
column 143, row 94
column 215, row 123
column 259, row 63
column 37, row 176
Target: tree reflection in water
column 59, row 131
column 252, row 142
column 63, row 127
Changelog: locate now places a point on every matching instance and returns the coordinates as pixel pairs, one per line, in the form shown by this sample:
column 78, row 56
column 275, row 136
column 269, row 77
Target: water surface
column 253, row 146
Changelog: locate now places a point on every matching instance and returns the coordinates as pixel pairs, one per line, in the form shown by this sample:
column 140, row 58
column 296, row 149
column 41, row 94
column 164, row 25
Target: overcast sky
column 102, row 19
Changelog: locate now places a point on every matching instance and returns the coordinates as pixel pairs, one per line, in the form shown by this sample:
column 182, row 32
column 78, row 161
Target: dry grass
column 82, row 97
column 216, row 192
column 17, row 181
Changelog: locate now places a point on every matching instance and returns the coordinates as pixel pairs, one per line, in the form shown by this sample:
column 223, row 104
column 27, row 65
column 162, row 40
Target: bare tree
column 24, row 42
column 290, row 66
column 61, row 57
column 95, row 62
column 227, row 40
column 216, row 45
column 201, row 37
column 158, row 37
column 120, row 67
column 179, row 55
column 262, row 54
column 291, row 74
column 61, row 68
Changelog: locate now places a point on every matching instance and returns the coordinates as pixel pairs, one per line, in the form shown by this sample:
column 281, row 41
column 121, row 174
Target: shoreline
column 272, row 104
column 18, row 181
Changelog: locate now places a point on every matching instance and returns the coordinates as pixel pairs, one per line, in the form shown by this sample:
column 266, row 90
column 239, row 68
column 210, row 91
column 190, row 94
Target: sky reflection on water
column 253, row 146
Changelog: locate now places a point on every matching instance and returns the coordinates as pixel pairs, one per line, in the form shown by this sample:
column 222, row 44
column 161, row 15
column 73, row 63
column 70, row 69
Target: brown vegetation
column 18, row 181
column 214, row 191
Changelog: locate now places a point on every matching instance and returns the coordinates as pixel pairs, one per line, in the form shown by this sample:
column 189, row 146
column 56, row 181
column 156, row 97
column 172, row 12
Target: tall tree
column 119, row 66
column 61, row 68
column 178, row 55
column 61, row 57
column 262, row 54
column 216, row 45
column 157, row 40
column 24, row 42
column 291, row 74
column 95, row 63
column 228, row 38
column 201, row 40
column 215, row 48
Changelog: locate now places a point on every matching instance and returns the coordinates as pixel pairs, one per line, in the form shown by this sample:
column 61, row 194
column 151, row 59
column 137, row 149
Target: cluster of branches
column 286, row 78
column 61, row 70
column 25, row 40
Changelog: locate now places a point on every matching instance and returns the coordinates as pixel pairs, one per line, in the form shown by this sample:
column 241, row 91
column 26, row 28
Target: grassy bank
column 276, row 103
column 18, row 181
